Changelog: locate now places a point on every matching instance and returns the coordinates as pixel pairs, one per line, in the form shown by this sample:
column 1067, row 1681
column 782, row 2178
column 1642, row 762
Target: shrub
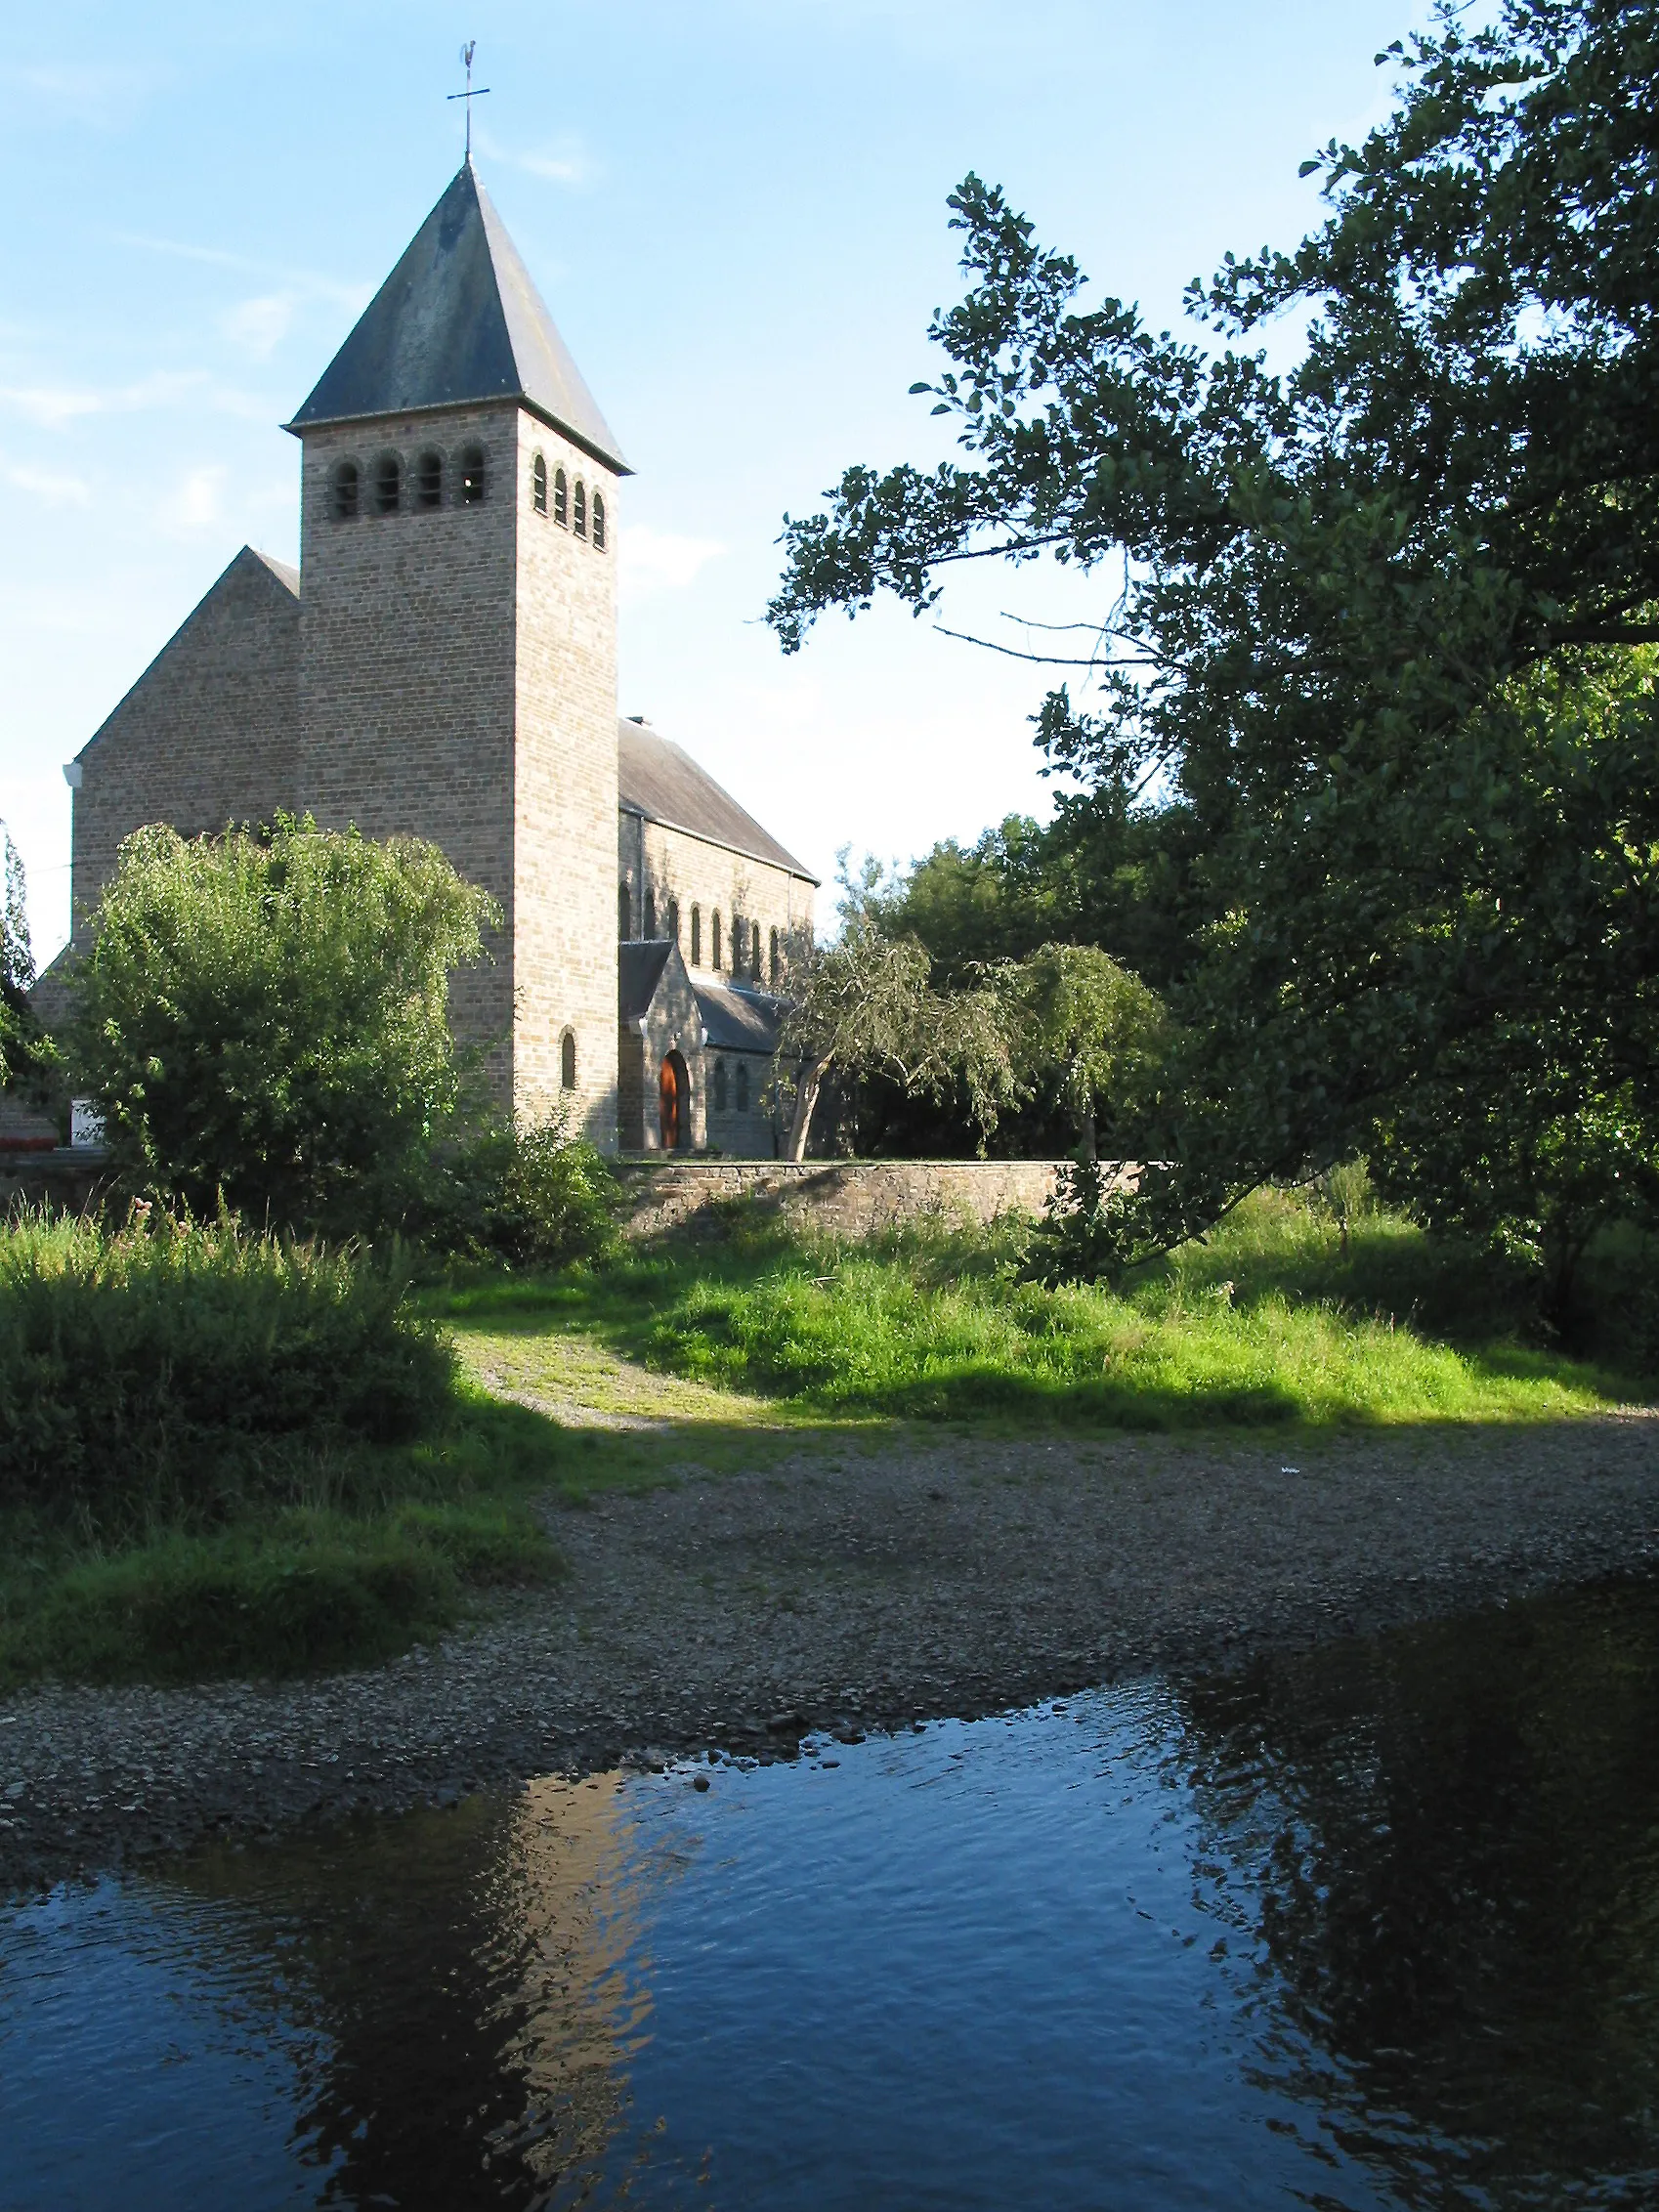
column 531, row 1197
column 263, row 1018
column 173, row 1368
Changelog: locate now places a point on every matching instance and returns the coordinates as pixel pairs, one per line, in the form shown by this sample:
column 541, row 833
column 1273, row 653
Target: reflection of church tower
column 458, row 633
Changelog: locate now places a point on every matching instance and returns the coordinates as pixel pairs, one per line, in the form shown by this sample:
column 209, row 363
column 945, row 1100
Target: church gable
column 207, row 735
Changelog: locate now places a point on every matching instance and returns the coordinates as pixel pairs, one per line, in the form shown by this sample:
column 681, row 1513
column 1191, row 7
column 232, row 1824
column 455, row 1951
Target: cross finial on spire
column 471, row 93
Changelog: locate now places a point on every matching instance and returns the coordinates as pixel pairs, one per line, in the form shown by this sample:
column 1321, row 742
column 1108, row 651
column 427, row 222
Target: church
column 442, row 664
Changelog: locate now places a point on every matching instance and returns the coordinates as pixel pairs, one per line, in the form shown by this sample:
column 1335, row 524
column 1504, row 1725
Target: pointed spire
column 457, row 321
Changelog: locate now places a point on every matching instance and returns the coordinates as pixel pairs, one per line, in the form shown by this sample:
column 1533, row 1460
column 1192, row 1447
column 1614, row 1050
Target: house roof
column 734, row 1020
column 656, row 779
column 278, row 569
column 640, row 962
column 459, row 321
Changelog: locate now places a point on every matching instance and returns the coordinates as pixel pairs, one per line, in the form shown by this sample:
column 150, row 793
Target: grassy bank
column 1277, row 1319
column 229, row 1454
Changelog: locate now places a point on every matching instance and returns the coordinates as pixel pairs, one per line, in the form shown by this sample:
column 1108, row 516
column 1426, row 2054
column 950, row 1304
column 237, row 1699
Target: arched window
column 472, row 476
column 579, row 520
column 719, row 1086
column 538, row 485
column 561, row 497
column 598, row 523
column 697, row 937
column 775, row 968
column 754, row 951
column 388, row 485
column 624, row 910
column 736, row 944
column 651, row 913
column 344, row 487
column 743, row 1087
column 568, row 1061
column 714, row 936
column 429, row 480
column 674, row 920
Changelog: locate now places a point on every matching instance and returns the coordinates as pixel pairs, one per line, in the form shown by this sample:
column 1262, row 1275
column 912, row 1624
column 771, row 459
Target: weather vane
column 471, row 93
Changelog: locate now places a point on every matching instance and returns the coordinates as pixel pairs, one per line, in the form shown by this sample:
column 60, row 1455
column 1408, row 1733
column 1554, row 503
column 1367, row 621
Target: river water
column 1375, row 1926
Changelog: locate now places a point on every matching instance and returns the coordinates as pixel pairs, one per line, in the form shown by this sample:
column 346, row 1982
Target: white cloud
column 660, row 559
column 562, row 161
column 55, row 491
column 77, row 93
column 196, row 503
column 52, row 405
column 258, row 326
column 308, row 283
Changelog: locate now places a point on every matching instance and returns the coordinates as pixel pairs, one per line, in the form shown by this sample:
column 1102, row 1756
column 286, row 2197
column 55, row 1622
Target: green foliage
column 1383, row 628
column 262, row 1019
column 27, row 1057
column 1239, row 1331
column 1084, row 1030
column 176, row 1372
column 529, row 1197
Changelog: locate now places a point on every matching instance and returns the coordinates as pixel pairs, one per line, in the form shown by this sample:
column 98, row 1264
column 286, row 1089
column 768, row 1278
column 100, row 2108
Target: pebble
column 745, row 1612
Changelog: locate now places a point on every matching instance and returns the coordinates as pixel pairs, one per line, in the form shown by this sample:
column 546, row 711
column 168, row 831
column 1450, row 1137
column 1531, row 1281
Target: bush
column 173, row 1369
column 263, row 1018
column 529, row 1197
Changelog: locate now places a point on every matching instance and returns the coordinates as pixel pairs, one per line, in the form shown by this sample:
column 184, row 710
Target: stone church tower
column 443, row 665
column 458, row 674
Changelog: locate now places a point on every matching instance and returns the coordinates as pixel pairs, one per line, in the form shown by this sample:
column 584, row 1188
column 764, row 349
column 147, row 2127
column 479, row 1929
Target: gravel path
column 847, row 1590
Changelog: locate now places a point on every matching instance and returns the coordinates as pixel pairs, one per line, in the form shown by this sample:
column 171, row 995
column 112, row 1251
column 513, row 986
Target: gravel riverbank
column 848, row 1590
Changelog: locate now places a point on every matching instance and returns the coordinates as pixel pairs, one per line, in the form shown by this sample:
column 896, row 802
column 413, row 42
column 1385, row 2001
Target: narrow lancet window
column 697, row 937
column 743, row 1087
column 674, row 920
column 579, row 520
column 598, row 523
column 538, row 485
column 651, row 913
column 624, row 910
column 774, row 965
column 388, row 485
column 568, row 1061
column 754, row 951
column 714, row 937
column 472, row 476
column 561, row 497
column 344, row 486
column 719, row 1086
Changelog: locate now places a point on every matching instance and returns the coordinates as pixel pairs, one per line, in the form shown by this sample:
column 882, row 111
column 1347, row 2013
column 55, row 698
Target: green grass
column 1271, row 1321
column 374, row 1551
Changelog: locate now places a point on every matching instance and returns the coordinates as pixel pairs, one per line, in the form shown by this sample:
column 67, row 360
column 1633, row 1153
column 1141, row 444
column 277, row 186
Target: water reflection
column 1376, row 1926
column 1443, row 1849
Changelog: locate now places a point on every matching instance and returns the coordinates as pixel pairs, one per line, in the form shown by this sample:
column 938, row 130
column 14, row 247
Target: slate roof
column 640, row 962
column 278, row 569
column 656, row 779
column 734, row 1020
column 457, row 321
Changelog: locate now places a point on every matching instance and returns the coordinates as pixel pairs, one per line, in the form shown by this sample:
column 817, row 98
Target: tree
column 865, row 1005
column 1382, row 618
column 1083, row 1029
column 28, row 1059
column 262, row 1017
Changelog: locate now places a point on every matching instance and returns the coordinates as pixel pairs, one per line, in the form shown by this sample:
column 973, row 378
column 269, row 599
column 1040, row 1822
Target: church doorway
column 673, row 1100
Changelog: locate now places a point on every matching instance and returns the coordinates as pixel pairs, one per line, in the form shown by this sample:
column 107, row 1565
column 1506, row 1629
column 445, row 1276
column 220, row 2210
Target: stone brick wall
column 564, row 796
column 856, row 1198
column 207, row 735
column 671, row 864
column 407, row 666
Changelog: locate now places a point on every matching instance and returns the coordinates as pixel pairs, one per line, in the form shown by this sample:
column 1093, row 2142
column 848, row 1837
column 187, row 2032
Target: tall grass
column 1274, row 1319
column 174, row 1370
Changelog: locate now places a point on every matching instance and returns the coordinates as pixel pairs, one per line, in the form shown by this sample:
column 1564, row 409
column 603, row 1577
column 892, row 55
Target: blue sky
column 735, row 212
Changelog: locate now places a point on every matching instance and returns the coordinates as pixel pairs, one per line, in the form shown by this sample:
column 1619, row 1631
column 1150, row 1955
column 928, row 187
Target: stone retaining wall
column 853, row 1197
